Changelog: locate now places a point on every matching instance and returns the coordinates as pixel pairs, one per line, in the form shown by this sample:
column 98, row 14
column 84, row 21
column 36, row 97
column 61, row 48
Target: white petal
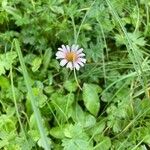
column 80, row 63
column 79, row 51
column 73, row 47
column 76, row 66
column 68, row 48
column 81, row 55
column 82, row 60
column 69, row 65
column 63, row 62
column 64, row 48
column 60, row 54
column 60, row 49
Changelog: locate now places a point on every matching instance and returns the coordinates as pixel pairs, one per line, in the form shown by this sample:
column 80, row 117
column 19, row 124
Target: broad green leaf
column 70, row 86
column 78, row 114
column 63, row 105
column 75, row 131
column 89, row 121
column 105, row 144
column 97, row 128
column 57, row 132
column 91, row 97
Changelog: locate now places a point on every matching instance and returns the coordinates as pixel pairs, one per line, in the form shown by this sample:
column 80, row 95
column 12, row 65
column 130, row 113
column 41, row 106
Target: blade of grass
column 17, row 111
column 32, row 97
column 16, row 107
column 133, row 54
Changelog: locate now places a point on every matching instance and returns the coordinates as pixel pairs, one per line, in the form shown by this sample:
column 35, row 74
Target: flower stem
column 75, row 76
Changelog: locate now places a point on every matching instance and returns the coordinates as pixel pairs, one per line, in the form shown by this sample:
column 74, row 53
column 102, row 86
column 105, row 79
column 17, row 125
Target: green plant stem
column 75, row 76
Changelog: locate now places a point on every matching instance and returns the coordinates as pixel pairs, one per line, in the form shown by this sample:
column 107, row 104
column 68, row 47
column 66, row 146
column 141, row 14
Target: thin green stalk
column 16, row 108
column 103, row 56
column 75, row 76
column 103, row 35
column 137, row 146
column 53, row 113
column 61, row 111
column 32, row 97
column 147, row 19
column 74, row 30
column 83, row 20
column 138, row 17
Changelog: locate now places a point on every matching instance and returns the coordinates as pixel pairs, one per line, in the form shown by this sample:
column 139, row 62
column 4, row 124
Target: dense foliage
column 41, row 105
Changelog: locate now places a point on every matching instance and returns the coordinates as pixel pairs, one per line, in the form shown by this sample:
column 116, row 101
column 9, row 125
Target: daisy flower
column 71, row 56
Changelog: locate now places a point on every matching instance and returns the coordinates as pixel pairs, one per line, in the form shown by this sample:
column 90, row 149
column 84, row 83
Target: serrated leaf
column 6, row 61
column 4, row 82
column 40, row 142
column 91, row 98
column 36, row 63
column 75, row 144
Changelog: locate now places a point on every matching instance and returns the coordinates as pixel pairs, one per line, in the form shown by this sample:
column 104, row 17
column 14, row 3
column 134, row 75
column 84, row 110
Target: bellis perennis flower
column 72, row 57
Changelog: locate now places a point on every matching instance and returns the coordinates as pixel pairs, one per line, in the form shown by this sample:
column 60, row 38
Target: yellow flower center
column 71, row 56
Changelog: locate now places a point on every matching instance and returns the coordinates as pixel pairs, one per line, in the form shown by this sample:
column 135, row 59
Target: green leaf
column 58, row 10
column 34, row 134
column 91, row 98
column 71, row 86
column 57, row 132
column 78, row 114
column 97, row 128
column 46, row 59
column 4, row 82
column 40, row 142
column 72, row 131
column 136, row 39
column 95, row 52
column 63, row 105
column 6, row 60
column 76, row 138
column 11, row 10
column 7, row 123
column 105, row 144
column 75, row 144
column 36, row 63
column 89, row 121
